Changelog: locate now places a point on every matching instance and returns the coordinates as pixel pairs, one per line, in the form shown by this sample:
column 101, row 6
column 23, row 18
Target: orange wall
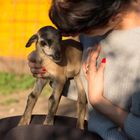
column 19, row 19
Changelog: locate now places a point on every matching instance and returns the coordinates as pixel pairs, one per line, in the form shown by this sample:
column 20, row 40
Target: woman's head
column 82, row 16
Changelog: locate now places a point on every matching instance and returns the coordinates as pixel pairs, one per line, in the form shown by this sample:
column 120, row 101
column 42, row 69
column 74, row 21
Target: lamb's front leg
column 32, row 99
column 81, row 103
column 53, row 102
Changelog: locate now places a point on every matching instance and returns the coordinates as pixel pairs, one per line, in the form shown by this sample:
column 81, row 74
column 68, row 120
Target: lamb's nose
column 57, row 55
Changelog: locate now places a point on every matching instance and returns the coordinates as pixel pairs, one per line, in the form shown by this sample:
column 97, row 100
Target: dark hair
column 76, row 16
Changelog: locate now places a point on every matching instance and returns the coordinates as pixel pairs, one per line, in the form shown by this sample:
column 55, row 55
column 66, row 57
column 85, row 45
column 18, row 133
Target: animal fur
column 62, row 60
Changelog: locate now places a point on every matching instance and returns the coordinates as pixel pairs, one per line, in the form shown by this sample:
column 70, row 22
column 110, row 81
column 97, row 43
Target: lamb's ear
column 32, row 39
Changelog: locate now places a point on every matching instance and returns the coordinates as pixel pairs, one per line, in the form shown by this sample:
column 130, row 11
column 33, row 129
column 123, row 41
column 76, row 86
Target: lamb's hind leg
column 81, row 103
column 53, row 103
column 32, row 98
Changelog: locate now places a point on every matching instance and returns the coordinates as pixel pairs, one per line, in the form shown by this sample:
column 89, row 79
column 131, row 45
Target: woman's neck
column 131, row 18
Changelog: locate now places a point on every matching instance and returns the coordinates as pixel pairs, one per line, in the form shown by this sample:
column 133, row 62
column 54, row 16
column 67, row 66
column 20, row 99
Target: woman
column 114, row 94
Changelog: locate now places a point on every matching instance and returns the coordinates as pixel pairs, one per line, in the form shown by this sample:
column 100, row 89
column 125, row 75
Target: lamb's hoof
column 48, row 121
column 24, row 122
column 80, row 126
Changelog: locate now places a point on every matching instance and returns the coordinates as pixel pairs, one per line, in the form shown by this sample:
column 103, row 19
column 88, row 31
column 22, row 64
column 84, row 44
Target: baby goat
column 62, row 60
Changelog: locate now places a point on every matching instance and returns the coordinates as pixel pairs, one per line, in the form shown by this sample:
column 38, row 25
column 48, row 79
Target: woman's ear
column 32, row 39
column 115, row 20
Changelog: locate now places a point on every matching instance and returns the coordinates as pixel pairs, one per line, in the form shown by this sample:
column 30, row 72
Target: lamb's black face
column 50, row 42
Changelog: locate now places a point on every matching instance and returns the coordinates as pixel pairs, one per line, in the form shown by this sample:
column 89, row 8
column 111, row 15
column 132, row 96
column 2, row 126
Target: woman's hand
column 35, row 66
column 95, row 78
column 94, row 75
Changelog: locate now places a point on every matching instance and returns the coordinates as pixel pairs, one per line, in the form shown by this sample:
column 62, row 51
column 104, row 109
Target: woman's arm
column 114, row 113
column 95, row 78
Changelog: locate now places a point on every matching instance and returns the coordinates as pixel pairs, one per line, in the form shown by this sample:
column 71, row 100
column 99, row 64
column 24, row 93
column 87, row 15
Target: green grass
column 9, row 102
column 10, row 82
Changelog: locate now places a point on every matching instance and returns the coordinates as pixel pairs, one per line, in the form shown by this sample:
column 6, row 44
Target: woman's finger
column 101, row 67
column 38, row 71
column 85, row 70
column 95, row 54
column 87, row 56
column 37, row 75
column 34, row 65
column 93, row 58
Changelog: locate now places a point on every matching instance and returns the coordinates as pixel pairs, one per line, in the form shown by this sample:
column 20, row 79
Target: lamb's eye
column 43, row 43
column 49, row 41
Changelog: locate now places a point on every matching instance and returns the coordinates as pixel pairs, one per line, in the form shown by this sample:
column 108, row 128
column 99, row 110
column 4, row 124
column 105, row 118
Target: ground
column 14, row 104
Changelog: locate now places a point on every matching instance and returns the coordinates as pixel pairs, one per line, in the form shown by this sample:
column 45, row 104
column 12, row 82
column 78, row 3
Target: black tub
column 63, row 129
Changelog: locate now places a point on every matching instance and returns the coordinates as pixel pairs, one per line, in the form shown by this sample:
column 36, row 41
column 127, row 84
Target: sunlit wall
column 19, row 19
